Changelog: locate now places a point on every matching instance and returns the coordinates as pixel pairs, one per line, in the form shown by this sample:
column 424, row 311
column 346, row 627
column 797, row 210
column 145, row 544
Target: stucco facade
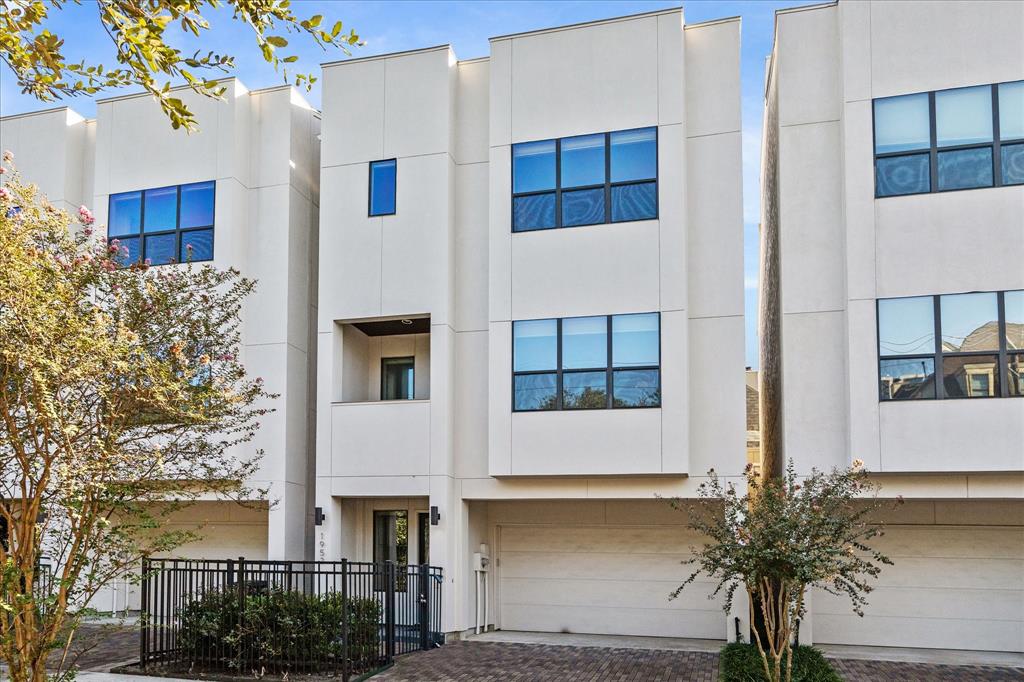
column 563, row 499
column 835, row 248
column 261, row 149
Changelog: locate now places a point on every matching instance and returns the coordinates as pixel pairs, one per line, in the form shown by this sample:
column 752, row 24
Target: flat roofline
column 474, row 60
column 804, row 8
column 596, row 22
column 386, row 55
column 39, row 112
column 712, row 22
column 133, row 95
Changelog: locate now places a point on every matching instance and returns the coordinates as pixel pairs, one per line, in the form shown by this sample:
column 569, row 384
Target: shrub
column 278, row 629
column 741, row 662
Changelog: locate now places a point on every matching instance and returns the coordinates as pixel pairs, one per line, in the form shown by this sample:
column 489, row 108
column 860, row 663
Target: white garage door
column 602, row 580
column 950, row 588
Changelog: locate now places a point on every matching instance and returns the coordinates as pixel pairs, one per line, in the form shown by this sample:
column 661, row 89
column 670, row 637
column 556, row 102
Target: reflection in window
column 909, row 379
column 584, row 390
column 585, row 180
column 965, row 168
column 536, row 392
column 970, row 322
column 383, row 187
column 391, row 543
column 1013, row 303
column 1015, row 374
column 564, row 364
column 535, row 345
column 970, row 355
column 906, row 326
column 397, row 378
column 945, row 140
column 971, row 376
column 163, row 225
column 584, row 342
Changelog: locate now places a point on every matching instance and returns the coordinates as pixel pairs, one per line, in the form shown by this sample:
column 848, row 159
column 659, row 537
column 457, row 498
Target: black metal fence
column 339, row 618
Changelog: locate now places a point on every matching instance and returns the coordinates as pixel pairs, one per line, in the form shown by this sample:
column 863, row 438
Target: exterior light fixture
column 406, row 321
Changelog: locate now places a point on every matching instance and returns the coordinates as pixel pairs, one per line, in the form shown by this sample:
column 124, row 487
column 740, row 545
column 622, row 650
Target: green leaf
column 315, row 20
column 336, row 30
column 277, row 41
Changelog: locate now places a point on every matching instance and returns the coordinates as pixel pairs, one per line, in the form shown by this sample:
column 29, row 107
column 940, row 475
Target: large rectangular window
column 164, row 224
column 951, row 346
column 575, row 363
column 383, row 187
column 585, row 180
column 962, row 138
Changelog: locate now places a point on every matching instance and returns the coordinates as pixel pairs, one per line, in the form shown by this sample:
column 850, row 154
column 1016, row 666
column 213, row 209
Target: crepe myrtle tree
column 122, row 401
column 144, row 49
column 781, row 537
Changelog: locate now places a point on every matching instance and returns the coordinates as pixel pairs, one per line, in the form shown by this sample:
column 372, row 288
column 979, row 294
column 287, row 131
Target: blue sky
column 395, row 26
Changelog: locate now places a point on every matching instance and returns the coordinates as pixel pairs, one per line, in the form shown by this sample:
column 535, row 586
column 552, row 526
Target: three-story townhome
column 893, row 318
column 242, row 192
column 530, row 318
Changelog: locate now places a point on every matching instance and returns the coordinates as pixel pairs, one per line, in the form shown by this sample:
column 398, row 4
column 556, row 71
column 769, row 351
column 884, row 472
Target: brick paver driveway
column 484, row 661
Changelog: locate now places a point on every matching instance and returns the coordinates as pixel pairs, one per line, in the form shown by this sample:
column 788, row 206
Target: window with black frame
column 967, row 345
column 391, row 543
column 164, row 224
column 585, row 180
column 579, row 363
column 963, row 138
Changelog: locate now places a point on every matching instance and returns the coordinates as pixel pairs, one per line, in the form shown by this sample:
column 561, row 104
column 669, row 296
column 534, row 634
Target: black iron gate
column 340, row 618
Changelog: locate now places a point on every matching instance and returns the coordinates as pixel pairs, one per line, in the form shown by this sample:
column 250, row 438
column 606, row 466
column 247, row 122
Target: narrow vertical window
column 906, row 348
column 634, row 173
column 383, row 185
column 533, row 186
column 397, row 379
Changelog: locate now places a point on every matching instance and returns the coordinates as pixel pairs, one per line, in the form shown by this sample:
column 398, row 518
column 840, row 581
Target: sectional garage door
column 602, row 580
column 955, row 587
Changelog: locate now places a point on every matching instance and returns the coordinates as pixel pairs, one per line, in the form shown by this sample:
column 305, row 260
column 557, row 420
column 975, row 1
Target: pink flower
column 8, row 156
column 85, row 215
column 147, row 262
column 4, row 194
column 87, row 231
column 2, row 170
column 113, row 247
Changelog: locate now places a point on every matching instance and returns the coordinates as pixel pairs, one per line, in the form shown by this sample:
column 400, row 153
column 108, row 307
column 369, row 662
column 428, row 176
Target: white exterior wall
column 448, row 252
column 261, row 147
column 841, row 249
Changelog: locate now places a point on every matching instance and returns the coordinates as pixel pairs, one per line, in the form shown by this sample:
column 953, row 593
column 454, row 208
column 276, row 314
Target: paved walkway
column 491, row 661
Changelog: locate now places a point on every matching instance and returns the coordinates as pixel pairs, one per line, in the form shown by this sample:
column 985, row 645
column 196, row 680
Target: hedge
column 742, row 663
column 278, row 629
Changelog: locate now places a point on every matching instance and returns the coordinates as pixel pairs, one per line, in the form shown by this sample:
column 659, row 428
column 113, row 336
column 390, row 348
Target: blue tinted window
column 533, row 166
column 536, row 392
column 584, row 390
column 896, row 175
column 902, row 123
column 963, row 116
column 161, row 249
column 161, row 209
column 584, row 342
column 906, row 326
column 127, row 250
column 383, row 179
column 635, row 340
column 635, row 202
column 1011, row 110
column 535, row 345
column 583, row 161
column 634, row 155
column 125, row 214
column 965, row 168
column 1011, row 158
column 201, row 242
column 636, row 388
column 911, row 379
column 533, row 212
column 197, row 204
column 583, row 207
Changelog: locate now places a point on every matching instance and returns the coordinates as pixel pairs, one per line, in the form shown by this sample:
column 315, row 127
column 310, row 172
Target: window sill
column 379, row 402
